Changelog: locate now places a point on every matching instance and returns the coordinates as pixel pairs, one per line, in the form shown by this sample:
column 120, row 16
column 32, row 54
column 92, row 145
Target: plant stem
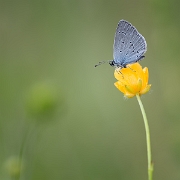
column 150, row 165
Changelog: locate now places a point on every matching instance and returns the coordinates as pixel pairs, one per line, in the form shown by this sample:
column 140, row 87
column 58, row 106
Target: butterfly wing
column 129, row 44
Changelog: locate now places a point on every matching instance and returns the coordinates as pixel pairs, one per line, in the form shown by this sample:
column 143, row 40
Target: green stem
column 150, row 165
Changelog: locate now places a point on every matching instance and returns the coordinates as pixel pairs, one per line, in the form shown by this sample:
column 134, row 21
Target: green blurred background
column 64, row 117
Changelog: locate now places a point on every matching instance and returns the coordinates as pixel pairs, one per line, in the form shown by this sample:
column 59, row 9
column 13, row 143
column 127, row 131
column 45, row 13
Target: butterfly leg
column 118, row 70
column 131, row 69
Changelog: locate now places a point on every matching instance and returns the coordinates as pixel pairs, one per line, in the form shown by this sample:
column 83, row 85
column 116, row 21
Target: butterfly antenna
column 101, row 62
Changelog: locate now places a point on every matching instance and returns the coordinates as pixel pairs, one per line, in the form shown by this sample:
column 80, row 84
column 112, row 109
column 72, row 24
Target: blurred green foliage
column 14, row 167
column 96, row 135
column 42, row 100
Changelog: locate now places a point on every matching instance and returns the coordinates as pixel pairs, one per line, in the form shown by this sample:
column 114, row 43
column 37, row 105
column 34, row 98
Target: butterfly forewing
column 129, row 44
column 120, row 40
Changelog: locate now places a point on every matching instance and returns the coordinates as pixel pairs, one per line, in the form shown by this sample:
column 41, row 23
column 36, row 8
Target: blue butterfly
column 129, row 45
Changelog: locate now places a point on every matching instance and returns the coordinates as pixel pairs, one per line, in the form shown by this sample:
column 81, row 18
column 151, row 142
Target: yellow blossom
column 132, row 80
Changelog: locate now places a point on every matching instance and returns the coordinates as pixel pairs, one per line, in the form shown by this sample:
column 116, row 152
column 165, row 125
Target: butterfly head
column 111, row 63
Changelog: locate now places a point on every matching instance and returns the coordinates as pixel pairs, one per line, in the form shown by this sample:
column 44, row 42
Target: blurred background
column 63, row 119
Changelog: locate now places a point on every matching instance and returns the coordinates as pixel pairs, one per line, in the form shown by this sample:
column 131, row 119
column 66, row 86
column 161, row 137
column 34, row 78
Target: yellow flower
column 132, row 80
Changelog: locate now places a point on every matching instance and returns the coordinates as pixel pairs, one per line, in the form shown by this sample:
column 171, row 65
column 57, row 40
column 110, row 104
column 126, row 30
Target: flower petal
column 145, row 90
column 119, row 85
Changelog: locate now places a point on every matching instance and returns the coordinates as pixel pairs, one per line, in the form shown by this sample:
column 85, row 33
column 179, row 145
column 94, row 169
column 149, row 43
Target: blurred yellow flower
column 132, row 80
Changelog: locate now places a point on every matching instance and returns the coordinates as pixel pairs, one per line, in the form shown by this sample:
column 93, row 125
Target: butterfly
column 129, row 46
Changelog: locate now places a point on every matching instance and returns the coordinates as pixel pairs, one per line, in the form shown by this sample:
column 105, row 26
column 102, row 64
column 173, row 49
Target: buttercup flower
column 132, row 80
